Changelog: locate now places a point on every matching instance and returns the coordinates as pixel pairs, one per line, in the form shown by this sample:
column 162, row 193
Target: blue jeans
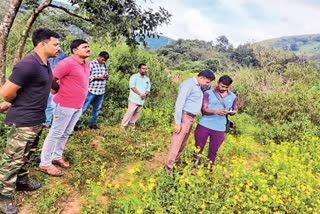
column 96, row 102
column 49, row 111
column 64, row 120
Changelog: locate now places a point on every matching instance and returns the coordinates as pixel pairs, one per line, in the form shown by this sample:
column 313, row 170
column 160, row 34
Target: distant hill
column 63, row 4
column 306, row 45
column 155, row 43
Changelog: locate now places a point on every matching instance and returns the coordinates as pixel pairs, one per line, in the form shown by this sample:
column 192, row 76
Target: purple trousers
column 201, row 136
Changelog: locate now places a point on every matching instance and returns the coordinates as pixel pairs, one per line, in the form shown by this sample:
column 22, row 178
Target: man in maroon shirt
column 26, row 91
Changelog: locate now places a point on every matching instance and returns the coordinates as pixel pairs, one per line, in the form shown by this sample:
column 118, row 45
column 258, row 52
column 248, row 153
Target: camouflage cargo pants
column 21, row 143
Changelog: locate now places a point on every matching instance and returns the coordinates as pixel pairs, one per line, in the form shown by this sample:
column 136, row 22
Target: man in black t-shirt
column 27, row 91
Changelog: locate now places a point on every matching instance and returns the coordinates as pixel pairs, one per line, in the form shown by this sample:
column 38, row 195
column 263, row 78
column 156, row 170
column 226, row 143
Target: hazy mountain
column 155, row 43
column 63, row 4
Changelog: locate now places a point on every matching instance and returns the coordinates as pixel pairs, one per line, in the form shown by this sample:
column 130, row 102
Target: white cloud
column 278, row 18
column 240, row 20
column 193, row 25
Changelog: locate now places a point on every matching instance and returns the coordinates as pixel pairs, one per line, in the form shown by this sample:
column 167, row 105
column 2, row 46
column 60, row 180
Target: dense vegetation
column 193, row 55
column 269, row 164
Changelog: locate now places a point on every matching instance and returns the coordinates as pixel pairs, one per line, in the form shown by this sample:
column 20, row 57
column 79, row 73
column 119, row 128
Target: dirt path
column 74, row 206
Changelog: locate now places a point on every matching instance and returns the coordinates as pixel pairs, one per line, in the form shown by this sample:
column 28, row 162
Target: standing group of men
column 74, row 85
column 26, row 95
column 34, row 94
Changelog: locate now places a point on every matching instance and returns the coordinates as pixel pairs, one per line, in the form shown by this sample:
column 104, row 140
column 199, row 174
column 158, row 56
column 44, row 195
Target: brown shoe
column 51, row 170
column 62, row 163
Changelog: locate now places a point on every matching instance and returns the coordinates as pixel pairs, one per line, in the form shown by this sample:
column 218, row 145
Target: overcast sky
column 240, row 21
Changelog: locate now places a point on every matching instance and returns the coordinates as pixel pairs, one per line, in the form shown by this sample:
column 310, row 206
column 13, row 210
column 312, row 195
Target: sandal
column 51, row 170
column 62, row 163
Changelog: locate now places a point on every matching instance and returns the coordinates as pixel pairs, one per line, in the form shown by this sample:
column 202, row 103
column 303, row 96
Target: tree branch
column 70, row 13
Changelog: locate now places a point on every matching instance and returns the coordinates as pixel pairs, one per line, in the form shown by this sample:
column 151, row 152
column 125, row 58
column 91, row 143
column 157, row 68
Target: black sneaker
column 94, row 127
column 77, row 128
column 6, row 205
column 79, row 122
column 27, row 184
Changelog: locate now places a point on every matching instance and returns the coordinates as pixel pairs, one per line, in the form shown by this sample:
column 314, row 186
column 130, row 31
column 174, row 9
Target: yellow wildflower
column 139, row 210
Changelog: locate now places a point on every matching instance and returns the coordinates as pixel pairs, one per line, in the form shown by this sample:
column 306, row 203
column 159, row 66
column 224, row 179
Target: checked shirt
column 97, row 87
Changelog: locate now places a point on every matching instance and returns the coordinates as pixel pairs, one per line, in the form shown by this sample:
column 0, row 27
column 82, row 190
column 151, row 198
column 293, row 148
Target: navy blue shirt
column 35, row 79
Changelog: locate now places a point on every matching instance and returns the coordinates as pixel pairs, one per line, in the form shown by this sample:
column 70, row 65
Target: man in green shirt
column 140, row 87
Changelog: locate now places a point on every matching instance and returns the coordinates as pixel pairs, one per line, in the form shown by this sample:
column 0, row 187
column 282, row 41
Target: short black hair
column 104, row 54
column 225, row 79
column 141, row 64
column 43, row 34
column 207, row 73
column 76, row 43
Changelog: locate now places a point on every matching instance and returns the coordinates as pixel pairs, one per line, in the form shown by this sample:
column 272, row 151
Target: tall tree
column 5, row 28
column 223, row 44
column 244, row 55
column 116, row 18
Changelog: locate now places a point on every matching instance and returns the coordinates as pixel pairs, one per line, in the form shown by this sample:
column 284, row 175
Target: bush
column 280, row 103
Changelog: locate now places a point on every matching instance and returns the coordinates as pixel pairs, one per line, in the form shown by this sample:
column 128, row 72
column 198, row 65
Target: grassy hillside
column 306, row 45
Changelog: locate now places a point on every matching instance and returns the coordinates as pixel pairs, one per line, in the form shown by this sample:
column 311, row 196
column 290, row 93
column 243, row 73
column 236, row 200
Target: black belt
column 189, row 114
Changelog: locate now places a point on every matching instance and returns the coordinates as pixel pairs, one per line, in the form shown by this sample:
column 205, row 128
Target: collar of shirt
column 33, row 53
column 196, row 82
column 216, row 90
column 141, row 75
column 95, row 61
column 78, row 60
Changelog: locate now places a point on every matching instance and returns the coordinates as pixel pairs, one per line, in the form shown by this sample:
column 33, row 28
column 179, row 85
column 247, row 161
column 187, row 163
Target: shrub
column 280, row 103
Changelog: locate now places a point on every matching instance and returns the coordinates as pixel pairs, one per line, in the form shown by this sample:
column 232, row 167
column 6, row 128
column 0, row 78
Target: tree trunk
column 5, row 28
column 25, row 33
